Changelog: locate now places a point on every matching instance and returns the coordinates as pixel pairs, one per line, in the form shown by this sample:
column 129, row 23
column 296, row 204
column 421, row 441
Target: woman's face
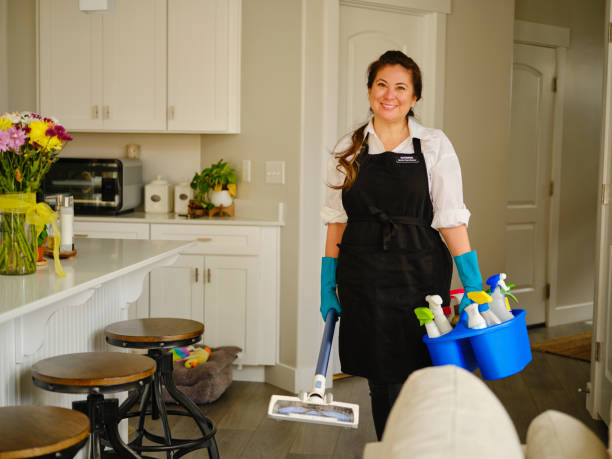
column 392, row 93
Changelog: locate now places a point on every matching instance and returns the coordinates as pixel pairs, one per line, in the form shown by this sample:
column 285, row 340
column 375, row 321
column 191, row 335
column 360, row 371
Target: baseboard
column 251, row 373
column 281, row 375
column 567, row 314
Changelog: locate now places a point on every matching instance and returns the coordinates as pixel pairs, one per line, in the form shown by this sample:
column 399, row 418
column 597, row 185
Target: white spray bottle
column 498, row 297
column 435, row 306
column 426, row 318
column 483, row 299
column 475, row 320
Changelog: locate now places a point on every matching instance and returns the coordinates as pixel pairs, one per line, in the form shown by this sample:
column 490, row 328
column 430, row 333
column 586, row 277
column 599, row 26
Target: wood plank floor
column 245, row 432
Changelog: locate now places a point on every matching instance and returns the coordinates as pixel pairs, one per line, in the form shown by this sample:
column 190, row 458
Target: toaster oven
column 99, row 186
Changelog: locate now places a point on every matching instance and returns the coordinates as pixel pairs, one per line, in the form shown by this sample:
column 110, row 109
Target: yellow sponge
column 479, row 297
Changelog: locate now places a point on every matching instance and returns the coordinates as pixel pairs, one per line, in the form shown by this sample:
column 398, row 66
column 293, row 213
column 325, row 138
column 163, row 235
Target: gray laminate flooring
column 244, row 431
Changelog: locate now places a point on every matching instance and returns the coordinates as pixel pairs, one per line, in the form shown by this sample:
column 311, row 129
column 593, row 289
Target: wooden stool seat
column 164, row 332
column 89, row 369
column 32, row 431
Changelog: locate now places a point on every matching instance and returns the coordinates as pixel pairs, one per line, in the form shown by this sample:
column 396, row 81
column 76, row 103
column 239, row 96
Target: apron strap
column 416, row 143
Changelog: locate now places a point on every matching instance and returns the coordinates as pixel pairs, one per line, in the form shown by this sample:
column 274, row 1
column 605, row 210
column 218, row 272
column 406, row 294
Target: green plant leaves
column 219, row 174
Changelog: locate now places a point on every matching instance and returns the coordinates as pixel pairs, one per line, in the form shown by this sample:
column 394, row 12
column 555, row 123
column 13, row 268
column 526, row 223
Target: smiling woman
column 394, row 188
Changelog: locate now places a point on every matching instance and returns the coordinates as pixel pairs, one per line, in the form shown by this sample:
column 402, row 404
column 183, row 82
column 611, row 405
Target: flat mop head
column 313, row 410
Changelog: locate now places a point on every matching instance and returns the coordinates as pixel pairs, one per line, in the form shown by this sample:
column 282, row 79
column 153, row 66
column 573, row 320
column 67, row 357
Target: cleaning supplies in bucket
column 426, row 317
column 435, row 306
column 499, row 303
column 497, row 349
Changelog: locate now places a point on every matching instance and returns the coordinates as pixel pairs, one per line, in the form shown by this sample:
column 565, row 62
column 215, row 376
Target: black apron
column 390, row 259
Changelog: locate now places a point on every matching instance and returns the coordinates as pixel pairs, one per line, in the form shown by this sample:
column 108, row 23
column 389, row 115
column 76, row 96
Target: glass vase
column 18, row 251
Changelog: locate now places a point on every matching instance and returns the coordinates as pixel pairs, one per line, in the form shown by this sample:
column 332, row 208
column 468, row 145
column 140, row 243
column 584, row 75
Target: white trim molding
column 403, row 6
column 532, row 33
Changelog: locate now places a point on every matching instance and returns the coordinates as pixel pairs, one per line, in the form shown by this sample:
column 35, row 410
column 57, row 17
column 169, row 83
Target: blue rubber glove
column 329, row 298
column 469, row 273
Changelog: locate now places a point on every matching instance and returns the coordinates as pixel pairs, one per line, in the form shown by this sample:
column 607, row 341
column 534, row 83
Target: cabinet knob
column 171, row 112
column 105, row 112
column 94, row 112
column 208, row 274
column 197, row 275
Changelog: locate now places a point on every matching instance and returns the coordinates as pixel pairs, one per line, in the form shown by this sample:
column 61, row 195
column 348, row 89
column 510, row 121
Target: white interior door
column 529, row 172
column 598, row 401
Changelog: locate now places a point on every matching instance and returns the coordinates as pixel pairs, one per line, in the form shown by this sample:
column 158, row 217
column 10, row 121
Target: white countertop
column 97, row 261
column 248, row 213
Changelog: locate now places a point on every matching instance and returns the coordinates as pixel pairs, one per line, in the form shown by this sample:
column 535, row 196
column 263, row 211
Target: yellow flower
column 37, row 132
column 231, row 187
column 5, row 123
column 18, row 176
column 218, row 187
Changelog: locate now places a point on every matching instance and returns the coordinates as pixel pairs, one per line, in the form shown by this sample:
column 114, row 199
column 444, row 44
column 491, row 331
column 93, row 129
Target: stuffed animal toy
column 197, row 357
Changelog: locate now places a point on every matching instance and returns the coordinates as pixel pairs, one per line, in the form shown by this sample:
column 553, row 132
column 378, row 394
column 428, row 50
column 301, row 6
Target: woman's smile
column 392, row 94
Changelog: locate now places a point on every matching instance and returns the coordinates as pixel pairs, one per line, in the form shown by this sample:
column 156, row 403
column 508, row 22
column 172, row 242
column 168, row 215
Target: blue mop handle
column 326, row 342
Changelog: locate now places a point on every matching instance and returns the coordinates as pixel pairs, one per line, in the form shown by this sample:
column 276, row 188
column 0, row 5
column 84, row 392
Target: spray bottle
column 482, row 299
column 455, row 300
column 475, row 320
column 435, row 306
column 499, row 303
column 426, row 318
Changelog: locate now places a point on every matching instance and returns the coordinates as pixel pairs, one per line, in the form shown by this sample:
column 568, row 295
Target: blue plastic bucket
column 499, row 351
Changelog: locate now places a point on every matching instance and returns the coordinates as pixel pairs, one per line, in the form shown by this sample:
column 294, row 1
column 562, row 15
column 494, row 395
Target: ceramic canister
column 158, row 196
column 182, row 194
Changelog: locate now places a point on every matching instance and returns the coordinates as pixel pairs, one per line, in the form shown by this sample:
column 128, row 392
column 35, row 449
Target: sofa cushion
column 553, row 434
column 447, row 412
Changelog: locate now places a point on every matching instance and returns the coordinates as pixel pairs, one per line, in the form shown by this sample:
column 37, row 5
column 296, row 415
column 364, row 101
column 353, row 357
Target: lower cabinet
column 177, row 290
column 229, row 281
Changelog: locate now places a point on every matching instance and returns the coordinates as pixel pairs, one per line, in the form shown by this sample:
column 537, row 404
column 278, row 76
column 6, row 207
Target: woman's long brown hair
column 347, row 159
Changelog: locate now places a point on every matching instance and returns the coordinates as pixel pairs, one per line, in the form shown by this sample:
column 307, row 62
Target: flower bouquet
column 29, row 145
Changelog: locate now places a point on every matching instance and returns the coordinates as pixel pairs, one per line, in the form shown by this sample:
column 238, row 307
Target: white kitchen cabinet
column 178, row 290
column 231, row 305
column 70, row 65
column 146, row 66
column 115, row 76
column 204, row 65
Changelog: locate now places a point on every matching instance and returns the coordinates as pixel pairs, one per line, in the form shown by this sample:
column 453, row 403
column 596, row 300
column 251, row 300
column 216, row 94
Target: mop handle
column 326, row 342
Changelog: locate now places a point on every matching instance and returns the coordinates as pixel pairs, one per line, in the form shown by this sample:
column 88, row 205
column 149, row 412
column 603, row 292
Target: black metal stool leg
column 91, row 407
column 163, row 415
column 205, row 425
column 110, row 414
column 144, row 401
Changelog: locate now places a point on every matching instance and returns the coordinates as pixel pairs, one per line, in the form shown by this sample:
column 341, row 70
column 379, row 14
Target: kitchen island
column 42, row 314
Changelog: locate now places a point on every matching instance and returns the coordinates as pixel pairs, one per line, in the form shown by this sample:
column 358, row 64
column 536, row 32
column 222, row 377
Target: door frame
column 602, row 265
column 558, row 38
column 319, row 133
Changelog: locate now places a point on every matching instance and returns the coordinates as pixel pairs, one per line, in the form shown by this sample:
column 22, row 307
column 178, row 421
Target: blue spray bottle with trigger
column 498, row 304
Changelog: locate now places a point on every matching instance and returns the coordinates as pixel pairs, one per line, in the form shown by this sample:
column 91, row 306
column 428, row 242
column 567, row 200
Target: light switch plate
column 275, row 172
column 246, row 170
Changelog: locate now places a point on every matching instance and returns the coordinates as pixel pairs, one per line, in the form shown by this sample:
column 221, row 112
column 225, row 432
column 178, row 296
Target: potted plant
column 215, row 186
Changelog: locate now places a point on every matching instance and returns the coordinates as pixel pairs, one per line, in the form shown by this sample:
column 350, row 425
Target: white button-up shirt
column 443, row 174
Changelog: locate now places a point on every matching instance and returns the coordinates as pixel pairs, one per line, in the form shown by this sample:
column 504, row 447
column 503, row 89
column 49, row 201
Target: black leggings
column 383, row 397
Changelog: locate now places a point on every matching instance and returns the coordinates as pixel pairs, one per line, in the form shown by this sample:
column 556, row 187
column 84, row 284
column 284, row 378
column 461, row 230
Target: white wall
column 21, row 55
column 581, row 138
column 477, row 117
column 270, row 130
column 3, row 56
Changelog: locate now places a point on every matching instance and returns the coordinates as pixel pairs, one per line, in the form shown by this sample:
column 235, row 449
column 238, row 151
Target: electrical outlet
column 275, row 172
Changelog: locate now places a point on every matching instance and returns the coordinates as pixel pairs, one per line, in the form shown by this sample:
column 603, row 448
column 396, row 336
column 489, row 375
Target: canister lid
column 159, row 181
column 64, row 200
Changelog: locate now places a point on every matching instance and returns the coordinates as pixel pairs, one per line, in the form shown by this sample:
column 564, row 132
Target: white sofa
column 447, row 412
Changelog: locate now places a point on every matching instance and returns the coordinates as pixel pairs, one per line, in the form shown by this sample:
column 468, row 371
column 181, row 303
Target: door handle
column 197, row 275
column 208, row 274
column 204, row 239
column 80, row 236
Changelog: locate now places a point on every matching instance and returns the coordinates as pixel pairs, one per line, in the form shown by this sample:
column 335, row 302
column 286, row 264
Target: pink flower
column 51, row 132
column 4, row 139
column 16, row 138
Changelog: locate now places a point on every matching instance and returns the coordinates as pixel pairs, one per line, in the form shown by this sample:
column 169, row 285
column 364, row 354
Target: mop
column 317, row 406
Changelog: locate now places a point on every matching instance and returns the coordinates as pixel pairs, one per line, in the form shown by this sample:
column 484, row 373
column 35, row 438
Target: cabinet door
column 70, row 64
column 230, row 305
column 204, row 65
column 135, row 66
column 110, row 230
column 178, row 290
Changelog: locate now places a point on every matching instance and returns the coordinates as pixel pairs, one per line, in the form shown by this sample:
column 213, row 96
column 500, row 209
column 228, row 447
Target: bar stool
column 95, row 374
column 41, row 431
column 157, row 335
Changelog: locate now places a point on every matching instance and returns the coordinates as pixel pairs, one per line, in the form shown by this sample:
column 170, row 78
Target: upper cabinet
column 146, row 66
column 204, row 65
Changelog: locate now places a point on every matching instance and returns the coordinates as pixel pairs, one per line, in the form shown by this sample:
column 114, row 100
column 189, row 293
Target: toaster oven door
column 95, row 184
